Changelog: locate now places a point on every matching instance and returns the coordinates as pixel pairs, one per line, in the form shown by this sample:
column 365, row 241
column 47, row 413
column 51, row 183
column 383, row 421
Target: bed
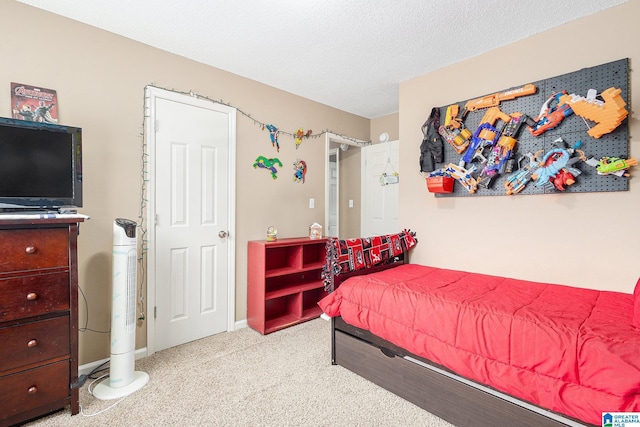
column 481, row 350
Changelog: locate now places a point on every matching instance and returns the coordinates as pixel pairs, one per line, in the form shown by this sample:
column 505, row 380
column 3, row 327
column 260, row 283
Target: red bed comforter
column 567, row 349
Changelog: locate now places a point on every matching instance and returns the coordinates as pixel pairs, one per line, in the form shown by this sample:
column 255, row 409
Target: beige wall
column 389, row 124
column 100, row 80
column 580, row 239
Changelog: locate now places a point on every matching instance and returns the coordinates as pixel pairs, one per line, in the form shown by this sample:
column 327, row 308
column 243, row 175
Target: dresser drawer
column 33, row 342
column 27, row 249
column 26, row 296
column 34, row 388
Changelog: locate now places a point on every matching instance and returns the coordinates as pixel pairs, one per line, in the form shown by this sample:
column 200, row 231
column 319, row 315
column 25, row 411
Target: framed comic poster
column 34, row 104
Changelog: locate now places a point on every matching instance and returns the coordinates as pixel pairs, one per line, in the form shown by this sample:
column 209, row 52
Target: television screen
column 40, row 165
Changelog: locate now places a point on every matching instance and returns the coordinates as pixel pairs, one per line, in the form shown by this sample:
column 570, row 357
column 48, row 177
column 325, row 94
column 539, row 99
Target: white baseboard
column 88, row 367
column 240, row 324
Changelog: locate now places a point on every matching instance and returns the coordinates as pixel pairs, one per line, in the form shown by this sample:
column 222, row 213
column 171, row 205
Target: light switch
column 312, row 203
column 350, row 203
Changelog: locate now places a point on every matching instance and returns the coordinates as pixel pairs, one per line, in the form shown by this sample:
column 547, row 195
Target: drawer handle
column 32, row 343
column 30, row 250
column 32, row 390
column 32, row 296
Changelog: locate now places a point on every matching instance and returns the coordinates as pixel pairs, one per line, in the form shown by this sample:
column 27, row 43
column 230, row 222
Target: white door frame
column 337, row 139
column 328, row 201
column 151, row 94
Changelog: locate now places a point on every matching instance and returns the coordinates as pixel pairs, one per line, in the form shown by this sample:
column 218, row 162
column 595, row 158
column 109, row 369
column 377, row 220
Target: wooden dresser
column 38, row 317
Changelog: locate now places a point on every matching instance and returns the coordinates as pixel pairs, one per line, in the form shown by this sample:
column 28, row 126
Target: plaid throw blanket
column 355, row 254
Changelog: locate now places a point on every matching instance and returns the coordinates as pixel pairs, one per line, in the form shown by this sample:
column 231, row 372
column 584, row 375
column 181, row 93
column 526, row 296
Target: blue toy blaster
column 485, row 136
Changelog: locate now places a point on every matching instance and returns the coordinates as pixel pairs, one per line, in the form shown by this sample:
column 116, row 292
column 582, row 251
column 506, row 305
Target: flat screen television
column 40, row 166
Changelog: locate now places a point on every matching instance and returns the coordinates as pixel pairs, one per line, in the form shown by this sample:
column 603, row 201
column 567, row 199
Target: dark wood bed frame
column 432, row 387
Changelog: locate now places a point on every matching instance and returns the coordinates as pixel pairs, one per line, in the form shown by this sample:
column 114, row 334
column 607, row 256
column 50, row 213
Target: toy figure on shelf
column 612, row 165
column 300, row 134
column 556, row 168
column 272, row 234
column 608, row 113
column 269, row 164
column 552, row 113
column 300, row 168
column 273, row 135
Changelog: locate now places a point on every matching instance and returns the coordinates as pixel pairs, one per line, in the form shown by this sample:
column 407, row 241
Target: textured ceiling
column 350, row 55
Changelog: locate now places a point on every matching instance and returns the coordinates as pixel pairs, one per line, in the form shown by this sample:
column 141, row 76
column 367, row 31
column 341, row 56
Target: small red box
column 440, row 184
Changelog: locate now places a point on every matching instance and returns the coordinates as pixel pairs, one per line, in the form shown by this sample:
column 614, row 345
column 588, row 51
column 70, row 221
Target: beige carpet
column 242, row 378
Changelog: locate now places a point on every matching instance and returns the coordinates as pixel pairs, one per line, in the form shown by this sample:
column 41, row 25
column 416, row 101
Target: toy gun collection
column 490, row 149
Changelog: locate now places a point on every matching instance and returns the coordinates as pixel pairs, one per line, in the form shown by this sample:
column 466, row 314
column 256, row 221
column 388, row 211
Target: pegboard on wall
column 572, row 129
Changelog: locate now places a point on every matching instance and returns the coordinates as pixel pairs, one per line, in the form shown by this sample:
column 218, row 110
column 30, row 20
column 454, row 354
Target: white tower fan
column 123, row 380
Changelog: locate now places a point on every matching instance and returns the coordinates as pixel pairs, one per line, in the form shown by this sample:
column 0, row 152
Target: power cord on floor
column 83, row 378
column 90, row 390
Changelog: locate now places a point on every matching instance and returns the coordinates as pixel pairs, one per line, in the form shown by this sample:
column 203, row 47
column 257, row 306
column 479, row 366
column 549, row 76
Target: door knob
column 222, row 234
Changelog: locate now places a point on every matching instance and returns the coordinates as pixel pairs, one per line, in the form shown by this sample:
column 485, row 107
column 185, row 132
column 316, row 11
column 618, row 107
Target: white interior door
column 379, row 202
column 191, row 235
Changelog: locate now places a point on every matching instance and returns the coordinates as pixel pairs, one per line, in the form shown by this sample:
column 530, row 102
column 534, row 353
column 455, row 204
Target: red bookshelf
column 284, row 282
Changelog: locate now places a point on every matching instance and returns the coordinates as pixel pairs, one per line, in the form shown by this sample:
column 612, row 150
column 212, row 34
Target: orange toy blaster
column 453, row 130
column 495, row 99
